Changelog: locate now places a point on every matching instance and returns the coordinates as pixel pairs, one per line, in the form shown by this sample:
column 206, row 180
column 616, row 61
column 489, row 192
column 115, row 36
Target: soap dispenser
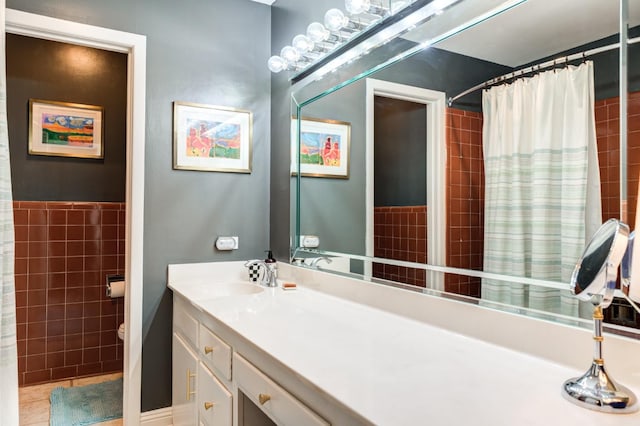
column 271, row 263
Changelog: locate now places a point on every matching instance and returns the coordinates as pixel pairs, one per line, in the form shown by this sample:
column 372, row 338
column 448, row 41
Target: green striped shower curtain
column 542, row 188
column 8, row 350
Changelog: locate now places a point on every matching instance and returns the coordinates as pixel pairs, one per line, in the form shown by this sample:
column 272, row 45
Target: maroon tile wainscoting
column 608, row 136
column 400, row 233
column 66, row 325
column 465, row 199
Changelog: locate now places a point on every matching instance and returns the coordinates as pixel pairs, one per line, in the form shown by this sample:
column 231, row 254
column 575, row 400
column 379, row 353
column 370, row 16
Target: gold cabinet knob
column 208, row 405
column 263, row 397
column 208, row 350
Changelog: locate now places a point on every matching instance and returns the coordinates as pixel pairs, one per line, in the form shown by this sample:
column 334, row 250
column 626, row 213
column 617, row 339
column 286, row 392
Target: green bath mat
column 86, row 405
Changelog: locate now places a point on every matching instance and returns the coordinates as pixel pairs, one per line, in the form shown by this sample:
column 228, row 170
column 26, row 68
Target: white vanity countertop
column 392, row 370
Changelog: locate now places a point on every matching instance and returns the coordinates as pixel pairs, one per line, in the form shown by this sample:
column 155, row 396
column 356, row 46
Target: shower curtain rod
column 538, row 67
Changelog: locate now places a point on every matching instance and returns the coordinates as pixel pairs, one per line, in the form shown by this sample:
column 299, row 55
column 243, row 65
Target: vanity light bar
column 406, row 20
column 338, row 29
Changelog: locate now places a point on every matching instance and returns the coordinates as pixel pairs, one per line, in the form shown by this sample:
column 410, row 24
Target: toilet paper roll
column 115, row 289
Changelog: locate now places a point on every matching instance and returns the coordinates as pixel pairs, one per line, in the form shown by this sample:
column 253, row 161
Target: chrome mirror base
column 595, row 390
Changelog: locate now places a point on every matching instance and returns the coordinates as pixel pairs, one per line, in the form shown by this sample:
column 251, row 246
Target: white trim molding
column 160, row 417
column 134, row 45
column 436, row 162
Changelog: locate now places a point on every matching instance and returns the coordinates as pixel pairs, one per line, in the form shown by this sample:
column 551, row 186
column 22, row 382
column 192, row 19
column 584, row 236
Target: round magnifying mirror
column 604, row 252
column 594, row 279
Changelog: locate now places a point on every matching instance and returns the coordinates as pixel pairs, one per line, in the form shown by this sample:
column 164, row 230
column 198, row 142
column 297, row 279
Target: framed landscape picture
column 211, row 138
column 324, row 148
column 65, row 129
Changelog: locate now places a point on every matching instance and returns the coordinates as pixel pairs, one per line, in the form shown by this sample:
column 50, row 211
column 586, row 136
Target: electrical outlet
column 227, row 243
column 309, row 241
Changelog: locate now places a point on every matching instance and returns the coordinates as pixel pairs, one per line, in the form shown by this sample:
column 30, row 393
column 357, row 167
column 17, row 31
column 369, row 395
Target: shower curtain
column 542, row 189
column 8, row 349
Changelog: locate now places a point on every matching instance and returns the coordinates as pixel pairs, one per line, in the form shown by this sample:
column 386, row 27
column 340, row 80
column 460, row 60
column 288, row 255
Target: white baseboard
column 160, row 417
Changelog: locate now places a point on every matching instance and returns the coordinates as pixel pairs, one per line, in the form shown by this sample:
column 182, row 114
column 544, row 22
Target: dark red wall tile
column 64, row 372
column 55, row 359
column 89, row 369
column 32, row 377
column 55, row 343
column 73, row 357
column 37, row 249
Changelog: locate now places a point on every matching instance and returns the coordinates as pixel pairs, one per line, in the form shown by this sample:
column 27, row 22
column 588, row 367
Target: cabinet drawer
column 282, row 407
column 215, row 353
column 185, row 323
column 214, row 400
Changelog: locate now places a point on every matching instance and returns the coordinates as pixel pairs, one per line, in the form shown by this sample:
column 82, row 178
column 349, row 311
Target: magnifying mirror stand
column 595, row 390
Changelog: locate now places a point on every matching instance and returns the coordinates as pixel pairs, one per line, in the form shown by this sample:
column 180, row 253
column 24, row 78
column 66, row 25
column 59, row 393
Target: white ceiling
column 532, row 30
column 269, row 2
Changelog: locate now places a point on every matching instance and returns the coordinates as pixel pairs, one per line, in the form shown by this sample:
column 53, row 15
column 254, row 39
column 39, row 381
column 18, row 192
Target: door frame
column 134, row 45
column 436, row 166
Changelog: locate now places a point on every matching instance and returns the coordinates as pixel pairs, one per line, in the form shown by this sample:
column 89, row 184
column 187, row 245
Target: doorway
column 134, row 46
column 435, row 165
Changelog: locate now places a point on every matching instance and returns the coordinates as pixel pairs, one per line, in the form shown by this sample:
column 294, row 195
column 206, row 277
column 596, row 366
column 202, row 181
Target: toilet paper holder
column 111, row 278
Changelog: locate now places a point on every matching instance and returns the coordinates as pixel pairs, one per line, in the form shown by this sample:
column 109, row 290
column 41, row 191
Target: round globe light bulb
column 356, row 7
column 276, row 64
column 290, row 54
column 302, row 43
column 334, row 20
column 317, row 32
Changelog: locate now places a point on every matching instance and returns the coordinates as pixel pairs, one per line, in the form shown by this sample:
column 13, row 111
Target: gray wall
column 334, row 209
column 288, row 17
column 49, row 178
column 399, row 133
column 206, row 51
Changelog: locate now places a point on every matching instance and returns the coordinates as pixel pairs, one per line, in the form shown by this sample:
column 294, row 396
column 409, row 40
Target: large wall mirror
column 459, row 184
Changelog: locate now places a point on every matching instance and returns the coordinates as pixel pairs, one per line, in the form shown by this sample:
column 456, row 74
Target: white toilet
column 121, row 332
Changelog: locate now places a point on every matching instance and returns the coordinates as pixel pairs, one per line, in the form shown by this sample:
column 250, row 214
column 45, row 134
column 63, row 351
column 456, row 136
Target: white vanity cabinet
column 198, row 394
column 209, row 377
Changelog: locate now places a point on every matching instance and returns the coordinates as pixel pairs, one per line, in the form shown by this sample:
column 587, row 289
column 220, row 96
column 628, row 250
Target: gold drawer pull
column 208, row 405
column 208, row 350
column 263, row 397
column 189, row 377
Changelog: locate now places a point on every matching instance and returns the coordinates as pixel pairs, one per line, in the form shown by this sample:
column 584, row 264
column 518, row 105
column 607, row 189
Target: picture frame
column 324, row 148
column 65, row 129
column 211, row 138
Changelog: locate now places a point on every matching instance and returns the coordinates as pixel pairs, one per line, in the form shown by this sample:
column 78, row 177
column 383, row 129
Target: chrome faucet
column 314, row 262
column 269, row 275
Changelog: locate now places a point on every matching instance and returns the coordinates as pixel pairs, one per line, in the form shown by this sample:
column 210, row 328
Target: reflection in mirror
column 504, row 236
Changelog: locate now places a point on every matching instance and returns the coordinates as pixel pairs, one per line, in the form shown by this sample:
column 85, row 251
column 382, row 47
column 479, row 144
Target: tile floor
column 34, row 400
